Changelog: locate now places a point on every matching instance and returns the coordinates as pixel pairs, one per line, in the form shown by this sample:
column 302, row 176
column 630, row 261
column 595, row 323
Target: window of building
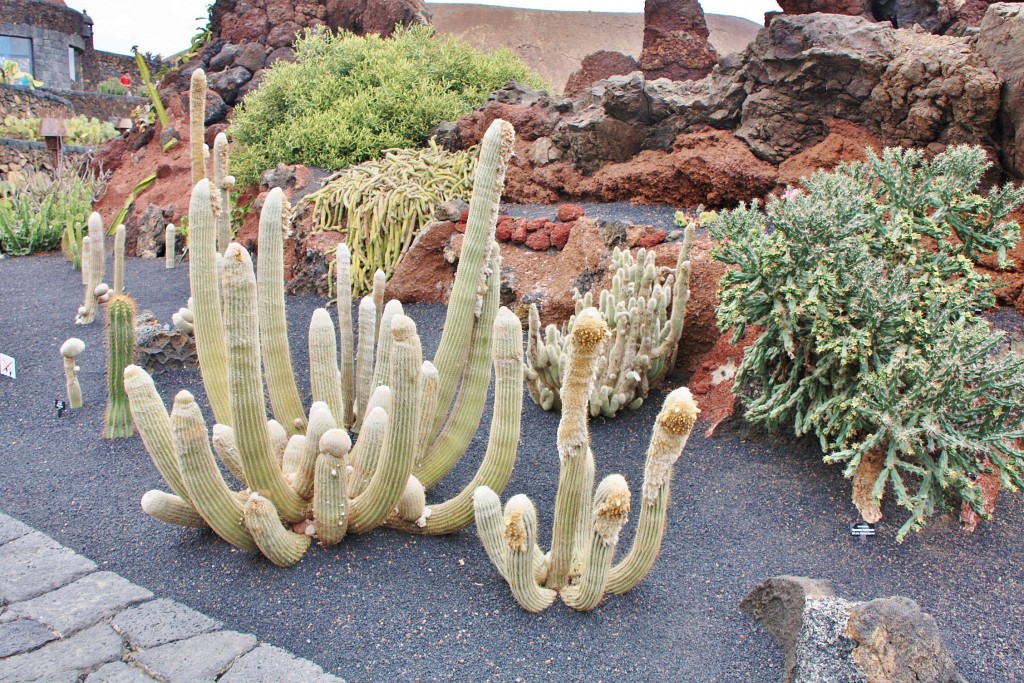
column 18, row 50
column 72, row 64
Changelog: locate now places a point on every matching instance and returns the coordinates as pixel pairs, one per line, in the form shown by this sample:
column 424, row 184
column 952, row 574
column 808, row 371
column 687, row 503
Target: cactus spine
column 87, row 311
column 169, row 237
column 70, row 350
column 196, row 127
column 277, row 357
column 120, row 354
column 119, row 237
column 586, row 528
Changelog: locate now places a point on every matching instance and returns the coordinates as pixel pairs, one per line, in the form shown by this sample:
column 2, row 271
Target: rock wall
column 24, row 156
column 41, row 102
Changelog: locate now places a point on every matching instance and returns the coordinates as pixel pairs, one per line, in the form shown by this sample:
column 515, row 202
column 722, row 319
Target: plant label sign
column 862, row 529
column 7, row 368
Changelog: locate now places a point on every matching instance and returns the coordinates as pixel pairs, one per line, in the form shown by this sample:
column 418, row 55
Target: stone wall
column 53, row 29
column 110, row 65
column 22, row 155
column 40, row 102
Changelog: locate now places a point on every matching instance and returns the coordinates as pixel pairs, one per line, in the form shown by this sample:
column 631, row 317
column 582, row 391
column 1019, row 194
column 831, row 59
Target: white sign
column 7, row 367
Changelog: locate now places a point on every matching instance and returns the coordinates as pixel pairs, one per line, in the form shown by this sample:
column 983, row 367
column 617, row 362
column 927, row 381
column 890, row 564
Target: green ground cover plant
column 82, row 130
column 865, row 287
column 111, row 86
column 346, row 98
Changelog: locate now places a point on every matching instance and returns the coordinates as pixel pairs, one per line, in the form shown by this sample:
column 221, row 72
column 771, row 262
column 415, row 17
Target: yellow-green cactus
column 117, row 423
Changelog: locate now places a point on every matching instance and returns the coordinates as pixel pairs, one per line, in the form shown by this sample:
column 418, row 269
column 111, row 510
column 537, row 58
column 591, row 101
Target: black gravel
column 387, row 606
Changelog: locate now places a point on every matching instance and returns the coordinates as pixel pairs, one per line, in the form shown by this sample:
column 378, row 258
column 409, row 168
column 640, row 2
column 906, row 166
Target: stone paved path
column 61, row 620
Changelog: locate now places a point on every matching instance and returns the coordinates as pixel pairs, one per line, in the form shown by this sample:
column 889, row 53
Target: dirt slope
column 554, row 43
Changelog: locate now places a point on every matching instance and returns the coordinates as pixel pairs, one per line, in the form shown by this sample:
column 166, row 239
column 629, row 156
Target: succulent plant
column 224, row 184
column 580, row 566
column 645, row 311
column 196, row 125
column 70, row 350
column 170, row 232
column 120, row 354
column 96, row 269
column 119, row 237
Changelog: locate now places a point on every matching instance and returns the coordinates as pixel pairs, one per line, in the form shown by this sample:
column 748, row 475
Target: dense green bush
column 346, row 97
column 111, row 86
column 82, row 130
column 864, row 285
column 40, row 212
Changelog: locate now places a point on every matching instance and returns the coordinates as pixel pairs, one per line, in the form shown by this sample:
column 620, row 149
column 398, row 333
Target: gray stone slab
column 196, row 659
column 23, row 635
column 118, row 672
column 84, row 650
column 35, row 563
column 270, row 664
column 82, row 603
column 11, row 528
column 158, row 622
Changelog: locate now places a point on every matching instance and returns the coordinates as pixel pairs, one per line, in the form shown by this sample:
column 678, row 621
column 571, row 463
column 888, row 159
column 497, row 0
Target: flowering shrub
column 865, row 287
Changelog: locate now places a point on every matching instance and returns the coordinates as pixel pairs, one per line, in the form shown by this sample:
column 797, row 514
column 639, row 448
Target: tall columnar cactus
column 119, row 237
column 197, row 123
column 277, row 357
column 346, row 336
column 580, row 566
column 645, row 310
column 87, row 311
column 120, row 354
column 70, row 350
column 170, row 232
column 85, row 259
column 224, row 184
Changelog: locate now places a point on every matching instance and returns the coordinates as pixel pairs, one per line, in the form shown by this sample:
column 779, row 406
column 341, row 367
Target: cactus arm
column 323, row 362
column 535, row 366
column 503, row 440
column 117, row 423
column 119, row 237
column 171, row 509
column 223, row 182
column 280, row 545
column 611, row 509
column 218, row 505
column 85, row 259
column 196, row 125
column 364, row 359
column 366, row 453
column 576, row 477
column 412, row 506
column 464, row 419
column 380, row 367
column 211, row 347
column 87, row 311
column 346, row 337
column 490, row 527
column 680, row 294
column 273, row 325
column 279, row 438
column 292, row 454
column 170, row 232
column 431, row 380
column 380, row 280
column 668, row 439
column 320, row 422
column 227, row 450
column 370, row 508
column 521, row 543
column 262, row 471
column 330, row 497
column 463, row 304
column 70, row 350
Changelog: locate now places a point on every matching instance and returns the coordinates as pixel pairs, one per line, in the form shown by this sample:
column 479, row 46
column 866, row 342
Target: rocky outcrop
column 161, row 348
column 1001, row 44
column 597, row 67
column 853, row 8
column 845, row 142
column 676, row 41
column 950, row 17
column 827, row 638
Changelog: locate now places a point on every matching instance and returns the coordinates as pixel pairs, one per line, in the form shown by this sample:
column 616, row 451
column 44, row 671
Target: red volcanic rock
column 536, row 224
column 539, row 240
column 503, row 231
column 597, row 67
column 856, row 8
column 530, row 121
column 676, row 41
column 519, row 231
column 652, row 238
column 845, row 142
column 567, row 213
column 423, row 274
column 560, row 234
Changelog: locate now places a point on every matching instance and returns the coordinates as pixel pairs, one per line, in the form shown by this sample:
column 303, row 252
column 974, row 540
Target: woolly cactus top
column 679, row 412
column 72, row 347
column 335, row 442
column 590, row 329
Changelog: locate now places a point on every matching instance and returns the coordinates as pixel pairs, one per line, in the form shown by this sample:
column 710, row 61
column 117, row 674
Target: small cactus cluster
column 645, row 311
column 580, row 566
column 93, row 269
column 302, row 473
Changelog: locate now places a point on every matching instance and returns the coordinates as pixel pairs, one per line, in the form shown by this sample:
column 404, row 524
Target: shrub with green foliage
column 111, row 86
column 864, row 285
column 37, row 210
column 82, row 130
column 346, row 98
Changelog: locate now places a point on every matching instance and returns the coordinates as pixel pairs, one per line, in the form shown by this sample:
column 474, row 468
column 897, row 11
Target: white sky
column 165, row 28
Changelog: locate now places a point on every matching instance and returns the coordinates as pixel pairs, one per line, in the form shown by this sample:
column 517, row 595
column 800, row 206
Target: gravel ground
column 387, row 606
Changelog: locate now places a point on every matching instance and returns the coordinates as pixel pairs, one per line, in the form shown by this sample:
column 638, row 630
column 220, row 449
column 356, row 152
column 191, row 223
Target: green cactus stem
column 364, row 358
column 281, row 546
column 204, row 279
column 323, row 362
column 366, row 453
column 321, row 421
column 196, row 126
column 576, row 479
column 273, row 325
column 261, row 468
column 330, row 495
column 212, row 498
column 668, row 439
column 431, row 380
column 521, row 542
column 380, row 366
column 224, row 184
column 119, row 237
column 490, row 527
column 611, row 511
column 117, row 423
column 171, row 509
column 412, row 506
column 70, row 350
column 85, row 259
column 170, row 234
column 227, row 450
column 278, row 439
column 292, row 455
column 370, row 508
column 380, row 280
column 87, row 311
column 346, row 335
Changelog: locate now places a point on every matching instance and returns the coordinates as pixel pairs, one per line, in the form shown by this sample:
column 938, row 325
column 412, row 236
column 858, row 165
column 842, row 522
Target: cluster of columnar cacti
column 645, row 311
column 70, row 350
column 93, row 268
column 415, row 419
column 580, row 566
column 117, row 422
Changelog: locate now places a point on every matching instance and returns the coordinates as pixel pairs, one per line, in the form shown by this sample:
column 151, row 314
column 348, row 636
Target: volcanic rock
column 1001, row 43
column 597, row 67
column 676, row 41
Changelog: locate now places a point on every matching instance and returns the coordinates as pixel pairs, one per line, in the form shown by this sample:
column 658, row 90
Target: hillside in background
column 554, row 43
